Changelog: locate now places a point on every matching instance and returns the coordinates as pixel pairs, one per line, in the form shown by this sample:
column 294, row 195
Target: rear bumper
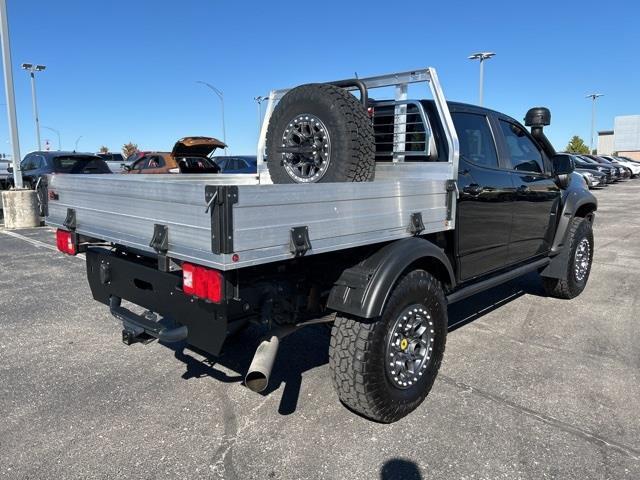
column 113, row 278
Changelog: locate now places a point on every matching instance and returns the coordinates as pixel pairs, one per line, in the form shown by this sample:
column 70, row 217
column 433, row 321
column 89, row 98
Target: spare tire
column 320, row 133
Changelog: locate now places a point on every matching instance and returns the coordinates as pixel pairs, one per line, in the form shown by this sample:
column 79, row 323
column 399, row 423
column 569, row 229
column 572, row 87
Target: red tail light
column 65, row 243
column 202, row 282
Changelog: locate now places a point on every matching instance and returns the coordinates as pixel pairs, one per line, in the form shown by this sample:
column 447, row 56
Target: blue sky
column 127, row 70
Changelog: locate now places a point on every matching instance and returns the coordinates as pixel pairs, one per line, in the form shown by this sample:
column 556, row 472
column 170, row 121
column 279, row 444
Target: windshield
column 589, row 160
column 79, row 164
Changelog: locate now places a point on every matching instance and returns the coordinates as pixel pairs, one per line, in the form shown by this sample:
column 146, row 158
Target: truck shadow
column 308, row 348
column 299, row 352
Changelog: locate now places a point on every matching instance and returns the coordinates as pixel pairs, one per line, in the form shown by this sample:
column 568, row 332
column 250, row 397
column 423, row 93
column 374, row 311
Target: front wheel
column 384, row 369
column 576, row 273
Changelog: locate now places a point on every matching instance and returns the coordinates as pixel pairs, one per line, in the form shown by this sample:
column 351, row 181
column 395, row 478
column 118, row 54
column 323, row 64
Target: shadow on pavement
column 299, row 352
column 308, row 348
column 400, row 469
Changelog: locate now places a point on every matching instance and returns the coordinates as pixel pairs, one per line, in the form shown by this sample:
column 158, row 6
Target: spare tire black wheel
column 320, row 133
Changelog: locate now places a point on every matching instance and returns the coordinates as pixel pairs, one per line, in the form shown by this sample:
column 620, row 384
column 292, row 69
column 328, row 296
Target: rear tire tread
column 355, row 361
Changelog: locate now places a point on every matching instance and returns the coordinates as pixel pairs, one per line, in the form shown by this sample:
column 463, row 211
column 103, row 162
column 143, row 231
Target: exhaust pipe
column 257, row 377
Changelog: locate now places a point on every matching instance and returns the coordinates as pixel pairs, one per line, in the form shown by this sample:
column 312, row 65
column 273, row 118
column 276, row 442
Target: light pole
column 32, row 69
column 75, row 149
column 593, row 97
column 259, row 99
column 9, row 95
column 482, row 56
column 221, row 97
column 57, row 132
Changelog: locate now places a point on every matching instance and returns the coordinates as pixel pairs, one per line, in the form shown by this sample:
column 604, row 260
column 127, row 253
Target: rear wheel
column 385, row 369
column 320, row 133
column 574, row 278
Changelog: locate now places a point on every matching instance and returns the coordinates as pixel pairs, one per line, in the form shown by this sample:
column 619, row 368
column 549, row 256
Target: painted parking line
column 36, row 243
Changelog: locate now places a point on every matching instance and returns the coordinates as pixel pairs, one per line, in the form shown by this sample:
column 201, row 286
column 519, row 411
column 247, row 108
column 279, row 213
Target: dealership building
column 624, row 139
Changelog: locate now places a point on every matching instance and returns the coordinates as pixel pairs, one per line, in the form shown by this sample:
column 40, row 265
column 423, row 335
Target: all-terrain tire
column 358, row 352
column 574, row 279
column 352, row 148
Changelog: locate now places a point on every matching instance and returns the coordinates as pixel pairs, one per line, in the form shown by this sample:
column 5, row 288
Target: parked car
column 621, row 172
column 114, row 160
column 237, row 164
column 592, row 178
column 609, row 171
column 189, row 155
column 35, row 166
column 630, row 160
column 628, row 173
column 379, row 249
column 634, row 167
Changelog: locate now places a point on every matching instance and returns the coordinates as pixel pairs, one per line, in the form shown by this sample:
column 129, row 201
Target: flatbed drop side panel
column 337, row 216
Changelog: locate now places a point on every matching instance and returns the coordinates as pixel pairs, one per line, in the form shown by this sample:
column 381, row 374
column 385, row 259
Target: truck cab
column 509, row 195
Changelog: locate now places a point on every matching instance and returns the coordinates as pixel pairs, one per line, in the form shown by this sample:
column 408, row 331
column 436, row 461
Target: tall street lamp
column 75, row 149
column 57, row 132
column 32, row 69
column 9, row 95
column 593, row 97
column 482, row 56
column 221, row 97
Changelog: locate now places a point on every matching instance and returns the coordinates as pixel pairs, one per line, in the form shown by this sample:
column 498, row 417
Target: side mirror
column 10, row 169
column 563, row 165
column 126, row 168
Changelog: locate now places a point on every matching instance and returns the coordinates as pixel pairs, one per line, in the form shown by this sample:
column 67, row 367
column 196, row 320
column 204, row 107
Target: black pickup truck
column 464, row 199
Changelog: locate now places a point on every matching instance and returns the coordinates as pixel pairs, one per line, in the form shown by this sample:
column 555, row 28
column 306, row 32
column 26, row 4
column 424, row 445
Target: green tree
column 577, row 145
column 104, row 149
column 129, row 149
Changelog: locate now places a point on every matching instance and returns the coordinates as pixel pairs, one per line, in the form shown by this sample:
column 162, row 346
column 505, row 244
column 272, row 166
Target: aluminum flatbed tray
column 233, row 221
column 123, row 209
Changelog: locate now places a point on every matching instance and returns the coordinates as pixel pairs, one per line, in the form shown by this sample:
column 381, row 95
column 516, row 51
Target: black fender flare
column 363, row 290
column 577, row 202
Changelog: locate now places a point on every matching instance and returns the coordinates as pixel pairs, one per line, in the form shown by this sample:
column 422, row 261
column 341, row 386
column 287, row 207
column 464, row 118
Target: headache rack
column 402, row 131
column 231, row 221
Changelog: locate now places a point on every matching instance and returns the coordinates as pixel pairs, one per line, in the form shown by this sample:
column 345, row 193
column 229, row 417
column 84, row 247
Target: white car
column 634, row 167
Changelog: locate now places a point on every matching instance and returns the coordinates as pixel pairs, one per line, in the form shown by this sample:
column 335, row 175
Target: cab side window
column 155, row 161
column 476, row 140
column 28, row 163
column 38, row 162
column 525, row 156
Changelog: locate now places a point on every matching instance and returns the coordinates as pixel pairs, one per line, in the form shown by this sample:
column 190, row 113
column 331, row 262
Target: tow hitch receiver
column 144, row 328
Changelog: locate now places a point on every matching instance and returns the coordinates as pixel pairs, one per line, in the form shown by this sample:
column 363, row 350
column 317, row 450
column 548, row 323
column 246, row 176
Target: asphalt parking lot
column 531, row 387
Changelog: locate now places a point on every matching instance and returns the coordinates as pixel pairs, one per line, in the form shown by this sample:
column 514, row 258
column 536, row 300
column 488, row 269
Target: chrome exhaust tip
column 257, row 377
